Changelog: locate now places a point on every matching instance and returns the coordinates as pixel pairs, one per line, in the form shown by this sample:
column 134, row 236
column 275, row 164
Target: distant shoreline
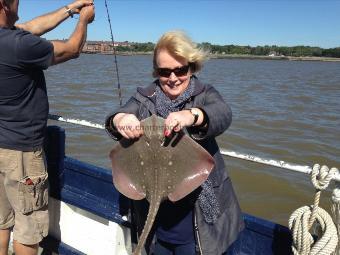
column 225, row 56
column 236, row 56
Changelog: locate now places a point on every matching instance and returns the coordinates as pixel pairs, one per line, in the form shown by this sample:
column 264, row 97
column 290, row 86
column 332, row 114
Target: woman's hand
column 179, row 120
column 127, row 125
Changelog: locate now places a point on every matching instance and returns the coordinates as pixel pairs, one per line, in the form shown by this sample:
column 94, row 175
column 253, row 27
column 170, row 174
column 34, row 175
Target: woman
column 208, row 220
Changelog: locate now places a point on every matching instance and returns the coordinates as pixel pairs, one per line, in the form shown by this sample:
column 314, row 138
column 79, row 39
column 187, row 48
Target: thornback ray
column 156, row 170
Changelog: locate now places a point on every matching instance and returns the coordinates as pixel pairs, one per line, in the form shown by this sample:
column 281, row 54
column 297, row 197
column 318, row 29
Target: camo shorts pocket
column 33, row 193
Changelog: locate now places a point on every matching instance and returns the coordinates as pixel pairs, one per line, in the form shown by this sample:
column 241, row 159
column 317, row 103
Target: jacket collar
column 149, row 91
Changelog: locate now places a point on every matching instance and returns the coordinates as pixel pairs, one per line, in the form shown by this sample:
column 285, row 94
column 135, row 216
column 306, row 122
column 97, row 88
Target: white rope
column 336, row 211
column 303, row 240
column 302, row 219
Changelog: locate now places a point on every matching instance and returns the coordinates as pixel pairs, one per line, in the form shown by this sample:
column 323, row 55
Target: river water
column 283, row 110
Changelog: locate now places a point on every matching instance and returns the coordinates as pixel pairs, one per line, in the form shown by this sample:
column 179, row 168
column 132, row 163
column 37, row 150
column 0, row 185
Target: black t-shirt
column 23, row 95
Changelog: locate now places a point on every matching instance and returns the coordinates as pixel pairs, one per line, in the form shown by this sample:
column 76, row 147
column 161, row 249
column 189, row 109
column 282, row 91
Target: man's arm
column 64, row 51
column 47, row 22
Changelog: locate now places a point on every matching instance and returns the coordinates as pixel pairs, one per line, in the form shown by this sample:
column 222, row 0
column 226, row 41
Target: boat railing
column 271, row 162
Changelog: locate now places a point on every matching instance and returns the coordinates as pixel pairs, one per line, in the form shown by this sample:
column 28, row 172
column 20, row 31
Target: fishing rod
column 114, row 52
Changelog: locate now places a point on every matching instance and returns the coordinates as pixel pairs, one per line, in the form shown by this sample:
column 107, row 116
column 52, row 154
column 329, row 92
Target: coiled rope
column 302, row 219
column 336, row 211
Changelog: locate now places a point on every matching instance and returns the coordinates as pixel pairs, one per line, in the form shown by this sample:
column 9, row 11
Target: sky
column 222, row 22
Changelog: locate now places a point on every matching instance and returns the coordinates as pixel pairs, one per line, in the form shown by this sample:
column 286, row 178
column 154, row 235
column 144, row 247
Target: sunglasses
column 179, row 71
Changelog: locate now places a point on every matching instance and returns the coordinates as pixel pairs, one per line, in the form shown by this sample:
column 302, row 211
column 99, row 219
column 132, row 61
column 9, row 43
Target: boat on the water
column 89, row 216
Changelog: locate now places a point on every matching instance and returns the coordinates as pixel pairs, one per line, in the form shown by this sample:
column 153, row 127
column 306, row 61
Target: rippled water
column 282, row 110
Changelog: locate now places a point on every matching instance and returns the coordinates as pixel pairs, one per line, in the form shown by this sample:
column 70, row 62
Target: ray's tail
column 153, row 209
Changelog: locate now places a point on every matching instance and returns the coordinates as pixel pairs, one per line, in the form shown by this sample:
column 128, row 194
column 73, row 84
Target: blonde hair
column 178, row 44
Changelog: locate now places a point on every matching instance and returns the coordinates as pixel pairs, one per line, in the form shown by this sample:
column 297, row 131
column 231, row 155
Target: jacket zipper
column 197, row 234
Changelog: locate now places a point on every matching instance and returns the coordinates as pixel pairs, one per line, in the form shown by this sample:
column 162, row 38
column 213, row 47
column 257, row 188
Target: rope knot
column 303, row 219
column 321, row 176
column 303, row 242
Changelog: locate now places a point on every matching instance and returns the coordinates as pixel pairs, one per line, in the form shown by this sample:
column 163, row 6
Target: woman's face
column 168, row 66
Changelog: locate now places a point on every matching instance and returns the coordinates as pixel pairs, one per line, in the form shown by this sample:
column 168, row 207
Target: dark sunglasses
column 179, row 71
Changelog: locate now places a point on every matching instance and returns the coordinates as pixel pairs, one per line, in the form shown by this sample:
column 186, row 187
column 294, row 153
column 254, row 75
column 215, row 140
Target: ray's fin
column 192, row 166
column 122, row 181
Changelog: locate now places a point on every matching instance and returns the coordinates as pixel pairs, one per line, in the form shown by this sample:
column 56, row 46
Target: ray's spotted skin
column 157, row 169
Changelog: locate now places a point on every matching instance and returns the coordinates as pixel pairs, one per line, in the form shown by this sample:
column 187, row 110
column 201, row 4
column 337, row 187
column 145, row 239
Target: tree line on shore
column 294, row 51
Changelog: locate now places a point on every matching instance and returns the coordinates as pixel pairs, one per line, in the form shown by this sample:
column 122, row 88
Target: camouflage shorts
column 24, row 195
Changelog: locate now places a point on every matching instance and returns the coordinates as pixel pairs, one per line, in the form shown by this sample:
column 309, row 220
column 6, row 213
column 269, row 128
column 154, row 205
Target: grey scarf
column 207, row 198
column 164, row 105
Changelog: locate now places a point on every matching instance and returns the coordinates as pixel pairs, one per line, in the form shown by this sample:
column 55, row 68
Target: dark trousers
column 164, row 248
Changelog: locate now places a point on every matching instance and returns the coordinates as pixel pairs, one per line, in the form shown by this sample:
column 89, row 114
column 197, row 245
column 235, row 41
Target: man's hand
column 45, row 23
column 66, row 50
column 87, row 13
column 77, row 5
column 127, row 125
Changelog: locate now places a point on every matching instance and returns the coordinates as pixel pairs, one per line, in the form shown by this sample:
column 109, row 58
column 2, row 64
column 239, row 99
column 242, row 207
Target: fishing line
column 114, row 52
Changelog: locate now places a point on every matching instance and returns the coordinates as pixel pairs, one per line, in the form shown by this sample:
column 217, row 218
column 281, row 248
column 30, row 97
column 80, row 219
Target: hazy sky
column 242, row 22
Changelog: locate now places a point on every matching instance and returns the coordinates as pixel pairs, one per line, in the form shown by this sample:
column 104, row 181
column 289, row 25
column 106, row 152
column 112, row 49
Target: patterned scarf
column 164, row 105
column 207, row 198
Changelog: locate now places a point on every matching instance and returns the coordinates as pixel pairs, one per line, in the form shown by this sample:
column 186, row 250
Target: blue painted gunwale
column 90, row 188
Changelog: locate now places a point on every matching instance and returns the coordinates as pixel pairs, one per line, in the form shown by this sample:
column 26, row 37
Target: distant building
column 272, row 54
column 102, row 46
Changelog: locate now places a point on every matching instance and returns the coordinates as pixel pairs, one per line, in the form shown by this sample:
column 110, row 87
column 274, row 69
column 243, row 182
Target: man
column 23, row 116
